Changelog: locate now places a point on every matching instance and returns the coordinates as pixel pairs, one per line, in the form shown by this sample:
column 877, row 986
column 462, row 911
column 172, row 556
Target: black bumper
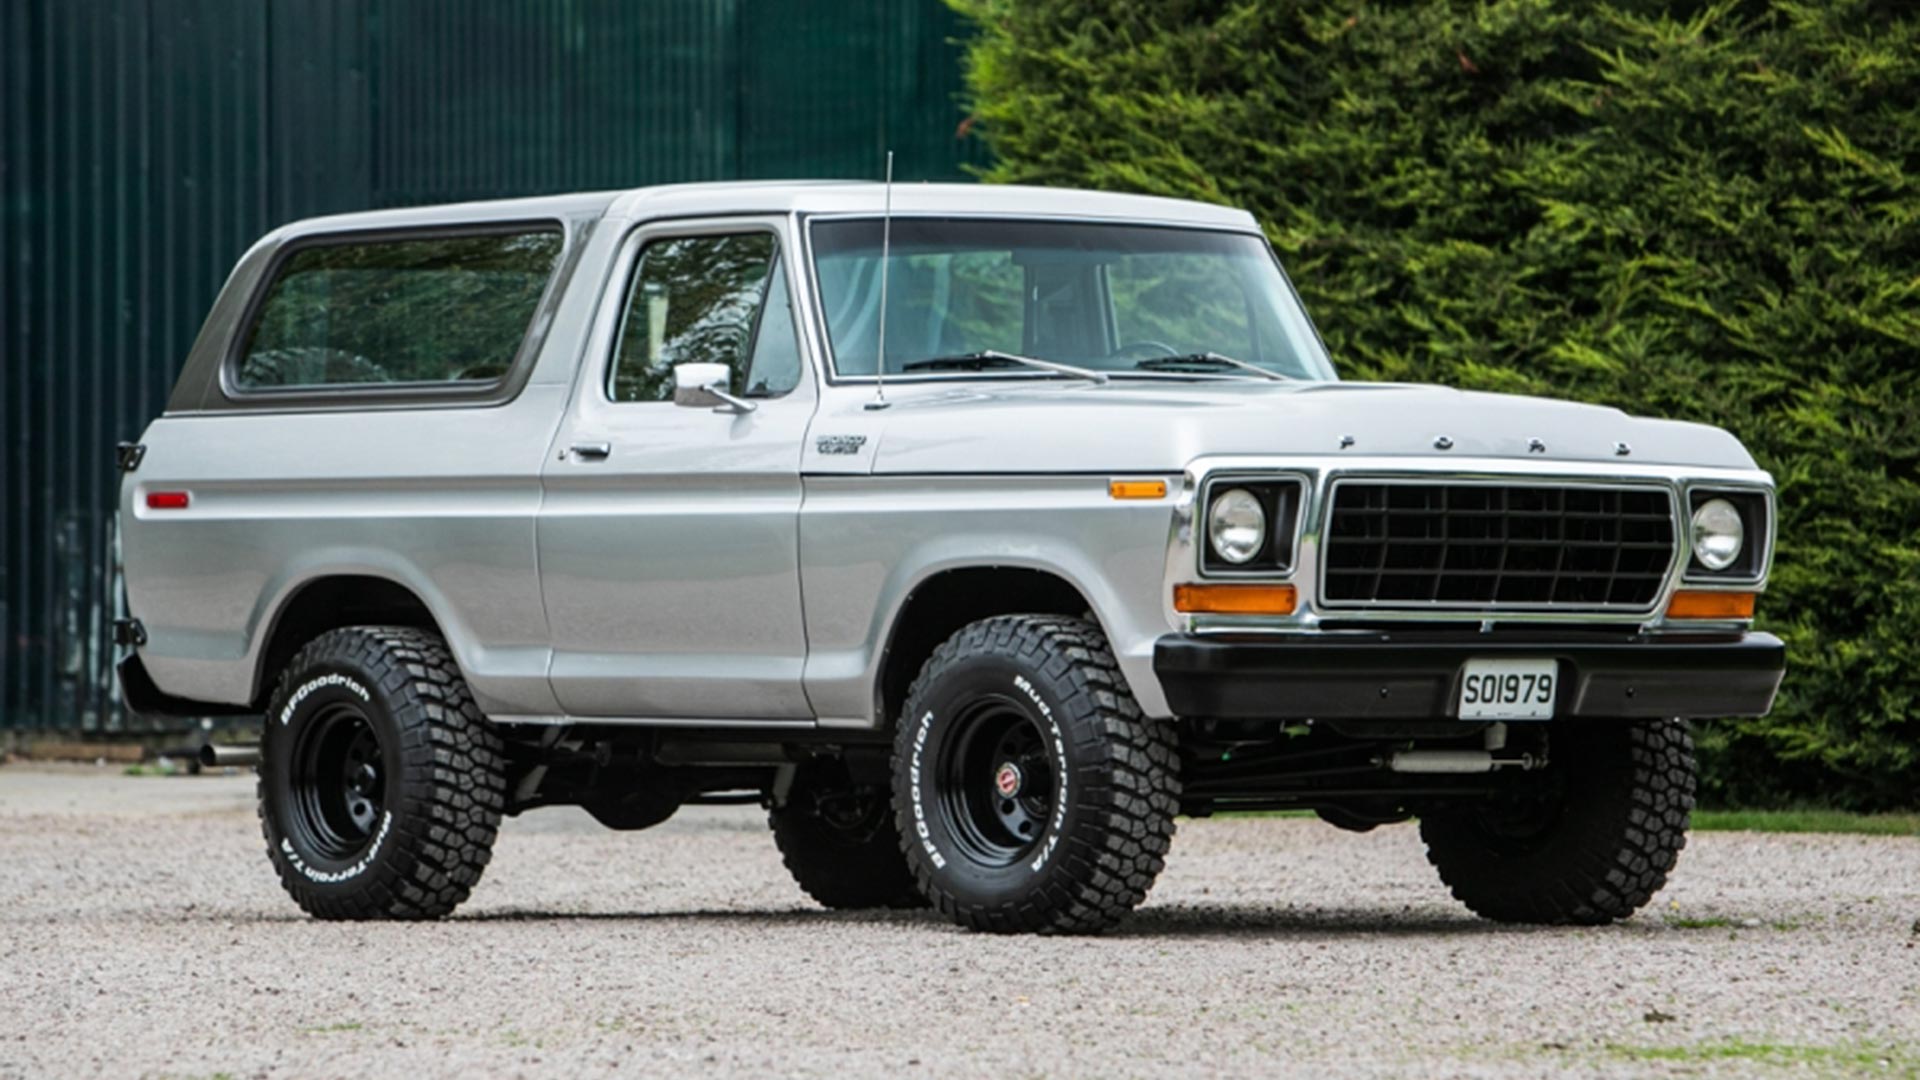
column 1414, row 676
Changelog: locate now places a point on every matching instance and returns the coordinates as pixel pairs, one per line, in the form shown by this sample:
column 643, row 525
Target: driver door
column 669, row 534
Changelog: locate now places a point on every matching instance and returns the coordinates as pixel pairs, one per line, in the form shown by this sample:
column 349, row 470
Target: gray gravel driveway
column 142, row 933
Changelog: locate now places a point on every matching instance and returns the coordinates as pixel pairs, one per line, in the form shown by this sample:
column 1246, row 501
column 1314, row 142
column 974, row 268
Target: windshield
column 966, row 294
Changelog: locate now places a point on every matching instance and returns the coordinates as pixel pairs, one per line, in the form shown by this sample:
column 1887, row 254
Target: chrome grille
column 1476, row 545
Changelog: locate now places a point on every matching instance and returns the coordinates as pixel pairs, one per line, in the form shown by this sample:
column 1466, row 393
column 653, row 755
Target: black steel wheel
column 338, row 782
column 1029, row 792
column 996, row 784
column 381, row 784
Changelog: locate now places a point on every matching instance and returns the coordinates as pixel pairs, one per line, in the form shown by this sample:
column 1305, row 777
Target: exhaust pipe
column 214, row 757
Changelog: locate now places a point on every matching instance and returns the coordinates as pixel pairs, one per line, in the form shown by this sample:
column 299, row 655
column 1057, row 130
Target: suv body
column 491, row 438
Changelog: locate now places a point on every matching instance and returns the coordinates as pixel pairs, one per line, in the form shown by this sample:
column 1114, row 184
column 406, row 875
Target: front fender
column 867, row 542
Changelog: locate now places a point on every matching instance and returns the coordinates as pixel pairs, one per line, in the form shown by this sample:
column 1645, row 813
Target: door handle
column 596, row 451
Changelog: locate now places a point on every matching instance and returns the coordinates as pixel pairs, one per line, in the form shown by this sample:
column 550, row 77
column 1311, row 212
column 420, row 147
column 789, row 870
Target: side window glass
column 693, row 301
column 775, row 368
column 428, row 310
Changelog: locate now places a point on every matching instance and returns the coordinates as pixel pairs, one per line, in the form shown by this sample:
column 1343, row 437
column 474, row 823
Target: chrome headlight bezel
column 1280, row 499
column 1748, row 563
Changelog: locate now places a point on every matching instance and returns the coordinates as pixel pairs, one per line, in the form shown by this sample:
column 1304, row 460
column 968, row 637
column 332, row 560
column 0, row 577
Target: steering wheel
column 1145, row 349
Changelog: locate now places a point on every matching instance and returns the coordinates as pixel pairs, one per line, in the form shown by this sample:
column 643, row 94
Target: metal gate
column 146, row 143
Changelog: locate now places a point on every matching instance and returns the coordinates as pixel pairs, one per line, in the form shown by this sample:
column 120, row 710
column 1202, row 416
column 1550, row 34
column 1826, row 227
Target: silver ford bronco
column 975, row 532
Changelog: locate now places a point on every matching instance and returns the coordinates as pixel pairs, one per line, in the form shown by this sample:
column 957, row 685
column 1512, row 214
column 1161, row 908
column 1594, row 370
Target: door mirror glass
column 694, row 384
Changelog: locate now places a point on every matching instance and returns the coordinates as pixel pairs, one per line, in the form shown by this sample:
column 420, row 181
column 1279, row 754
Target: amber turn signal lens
column 1694, row 604
column 1235, row 599
column 1137, row 489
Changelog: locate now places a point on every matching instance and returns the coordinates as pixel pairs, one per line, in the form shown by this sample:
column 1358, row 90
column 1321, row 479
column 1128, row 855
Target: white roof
column 799, row 196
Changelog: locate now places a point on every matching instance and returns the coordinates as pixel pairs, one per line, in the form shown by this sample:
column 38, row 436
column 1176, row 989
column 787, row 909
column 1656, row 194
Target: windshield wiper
column 977, row 361
column 1208, row 361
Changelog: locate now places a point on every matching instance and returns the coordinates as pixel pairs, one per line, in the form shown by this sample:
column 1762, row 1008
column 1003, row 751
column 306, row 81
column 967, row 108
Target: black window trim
column 476, row 392
column 654, row 231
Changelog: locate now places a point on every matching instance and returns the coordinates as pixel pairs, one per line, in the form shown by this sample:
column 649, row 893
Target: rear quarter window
column 450, row 310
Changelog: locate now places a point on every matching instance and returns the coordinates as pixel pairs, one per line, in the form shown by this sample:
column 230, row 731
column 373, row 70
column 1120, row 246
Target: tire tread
column 453, row 791
column 1615, row 852
column 1114, row 861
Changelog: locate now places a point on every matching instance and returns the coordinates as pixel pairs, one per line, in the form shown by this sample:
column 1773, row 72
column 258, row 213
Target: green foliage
column 1806, row 821
column 1707, row 211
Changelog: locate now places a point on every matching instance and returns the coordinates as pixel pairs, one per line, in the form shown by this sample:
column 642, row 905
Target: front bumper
column 1412, row 675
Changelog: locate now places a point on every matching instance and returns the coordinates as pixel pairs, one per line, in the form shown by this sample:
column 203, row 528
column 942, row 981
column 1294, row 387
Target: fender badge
column 839, row 444
column 1443, row 443
column 1536, row 446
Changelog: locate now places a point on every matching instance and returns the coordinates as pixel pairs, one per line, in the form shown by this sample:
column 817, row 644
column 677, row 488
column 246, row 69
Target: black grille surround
column 1496, row 545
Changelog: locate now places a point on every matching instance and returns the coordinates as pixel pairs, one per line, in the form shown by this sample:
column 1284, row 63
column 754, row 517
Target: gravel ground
column 142, row 933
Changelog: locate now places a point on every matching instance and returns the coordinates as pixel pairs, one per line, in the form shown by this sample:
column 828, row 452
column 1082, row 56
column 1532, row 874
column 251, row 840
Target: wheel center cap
column 1007, row 779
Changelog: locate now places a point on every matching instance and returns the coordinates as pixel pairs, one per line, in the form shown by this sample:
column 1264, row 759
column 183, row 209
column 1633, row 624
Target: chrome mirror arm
column 730, row 403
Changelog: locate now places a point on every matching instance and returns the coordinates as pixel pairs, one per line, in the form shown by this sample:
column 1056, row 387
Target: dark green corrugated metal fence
column 146, row 143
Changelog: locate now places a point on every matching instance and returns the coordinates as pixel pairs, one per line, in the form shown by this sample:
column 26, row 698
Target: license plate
column 1508, row 689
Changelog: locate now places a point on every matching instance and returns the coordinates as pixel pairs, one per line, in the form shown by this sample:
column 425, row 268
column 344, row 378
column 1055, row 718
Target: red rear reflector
column 166, row 500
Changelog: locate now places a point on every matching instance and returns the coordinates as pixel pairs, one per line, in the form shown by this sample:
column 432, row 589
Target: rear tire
column 1031, row 794
column 1590, row 842
column 839, row 842
column 381, row 784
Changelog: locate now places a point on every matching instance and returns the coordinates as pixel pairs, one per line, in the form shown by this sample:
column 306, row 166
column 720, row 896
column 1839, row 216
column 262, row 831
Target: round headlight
column 1718, row 534
column 1236, row 525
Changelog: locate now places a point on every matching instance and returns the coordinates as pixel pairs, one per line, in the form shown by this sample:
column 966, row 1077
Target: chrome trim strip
column 787, row 723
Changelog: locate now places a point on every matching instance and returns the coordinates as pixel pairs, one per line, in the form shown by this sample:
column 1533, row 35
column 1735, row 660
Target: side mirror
column 704, row 386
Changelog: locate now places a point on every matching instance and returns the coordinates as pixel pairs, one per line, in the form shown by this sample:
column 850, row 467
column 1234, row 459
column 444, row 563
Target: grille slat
column 1496, row 545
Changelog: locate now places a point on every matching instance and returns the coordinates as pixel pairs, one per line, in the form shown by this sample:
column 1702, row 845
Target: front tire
column 1590, row 841
column 381, row 784
column 1030, row 793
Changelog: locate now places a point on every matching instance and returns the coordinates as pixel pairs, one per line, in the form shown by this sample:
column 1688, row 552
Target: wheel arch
column 947, row 599
column 329, row 601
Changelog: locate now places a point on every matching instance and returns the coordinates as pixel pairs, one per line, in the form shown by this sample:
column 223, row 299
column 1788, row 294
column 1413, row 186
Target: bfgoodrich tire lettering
column 1593, row 846
column 1030, row 793
column 381, row 785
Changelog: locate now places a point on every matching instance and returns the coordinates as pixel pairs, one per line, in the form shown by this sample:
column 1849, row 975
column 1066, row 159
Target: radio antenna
column 886, row 263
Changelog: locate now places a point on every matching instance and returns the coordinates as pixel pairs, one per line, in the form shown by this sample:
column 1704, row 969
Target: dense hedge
column 1708, row 211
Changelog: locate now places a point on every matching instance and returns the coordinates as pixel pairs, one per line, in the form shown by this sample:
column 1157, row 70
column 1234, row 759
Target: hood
column 1151, row 426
